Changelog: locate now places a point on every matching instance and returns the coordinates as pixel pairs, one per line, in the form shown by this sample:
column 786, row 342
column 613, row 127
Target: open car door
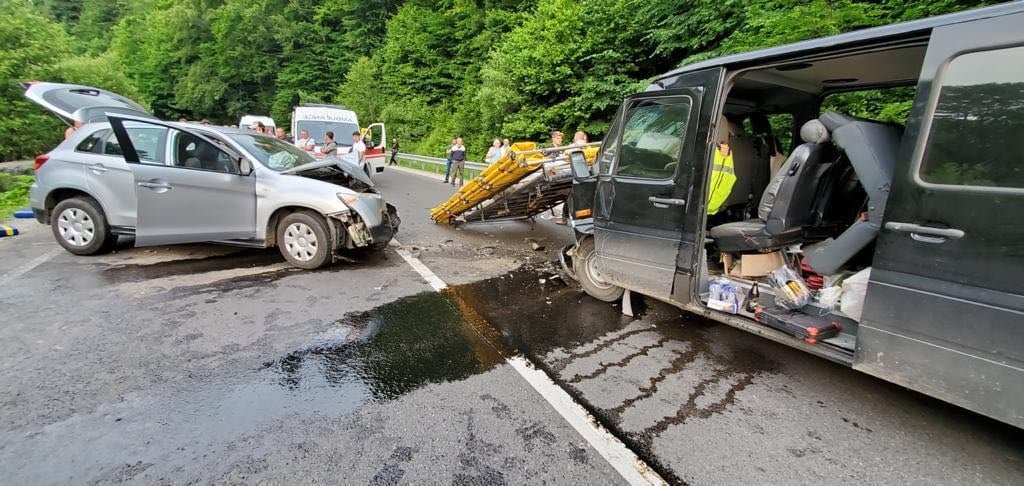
column 646, row 217
column 375, row 155
column 190, row 187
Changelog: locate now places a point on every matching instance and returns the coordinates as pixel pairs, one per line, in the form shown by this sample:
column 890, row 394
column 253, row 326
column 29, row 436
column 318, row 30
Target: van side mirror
column 578, row 164
column 244, row 166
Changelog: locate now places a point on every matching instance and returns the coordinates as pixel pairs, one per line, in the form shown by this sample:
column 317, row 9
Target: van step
column 811, row 329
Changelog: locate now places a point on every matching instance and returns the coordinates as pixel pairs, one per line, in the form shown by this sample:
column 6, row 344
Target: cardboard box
column 753, row 264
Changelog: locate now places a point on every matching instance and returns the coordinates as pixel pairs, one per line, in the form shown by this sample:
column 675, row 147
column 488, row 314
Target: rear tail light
column 40, row 160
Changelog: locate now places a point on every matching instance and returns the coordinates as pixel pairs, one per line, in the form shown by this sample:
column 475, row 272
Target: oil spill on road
column 391, row 350
column 383, row 353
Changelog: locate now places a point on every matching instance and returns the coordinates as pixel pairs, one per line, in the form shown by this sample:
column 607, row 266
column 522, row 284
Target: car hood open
column 327, row 169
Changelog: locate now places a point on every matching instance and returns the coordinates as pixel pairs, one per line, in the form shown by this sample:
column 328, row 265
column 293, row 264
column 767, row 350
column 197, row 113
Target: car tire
column 588, row 276
column 80, row 227
column 304, row 240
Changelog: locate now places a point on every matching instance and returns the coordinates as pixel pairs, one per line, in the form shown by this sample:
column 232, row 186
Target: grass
column 435, row 168
column 13, row 193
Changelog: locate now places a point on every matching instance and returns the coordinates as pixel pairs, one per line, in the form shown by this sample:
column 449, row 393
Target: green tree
column 30, row 45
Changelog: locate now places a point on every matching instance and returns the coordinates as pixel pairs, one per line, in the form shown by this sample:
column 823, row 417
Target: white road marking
column 633, row 469
column 420, row 268
column 28, row 266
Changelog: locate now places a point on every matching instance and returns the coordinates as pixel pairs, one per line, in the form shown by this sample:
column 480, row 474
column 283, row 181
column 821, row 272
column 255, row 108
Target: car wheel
column 304, row 241
column 589, row 277
column 80, row 227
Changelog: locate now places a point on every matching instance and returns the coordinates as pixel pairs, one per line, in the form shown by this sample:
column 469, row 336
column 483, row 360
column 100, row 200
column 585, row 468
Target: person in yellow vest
column 723, row 177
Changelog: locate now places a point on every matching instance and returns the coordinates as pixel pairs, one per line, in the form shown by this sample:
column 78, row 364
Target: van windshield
column 316, row 128
column 273, row 153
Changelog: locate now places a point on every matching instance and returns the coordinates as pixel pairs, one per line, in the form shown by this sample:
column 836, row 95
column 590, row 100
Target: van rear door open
column 944, row 310
column 644, row 216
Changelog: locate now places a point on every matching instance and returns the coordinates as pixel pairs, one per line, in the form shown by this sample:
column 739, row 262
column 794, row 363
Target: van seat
column 787, row 203
column 871, row 147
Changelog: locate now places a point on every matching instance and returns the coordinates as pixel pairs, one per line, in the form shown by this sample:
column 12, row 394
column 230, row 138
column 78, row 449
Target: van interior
column 811, row 182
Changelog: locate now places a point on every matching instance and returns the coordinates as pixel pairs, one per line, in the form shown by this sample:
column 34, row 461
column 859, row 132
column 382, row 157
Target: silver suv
column 126, row 173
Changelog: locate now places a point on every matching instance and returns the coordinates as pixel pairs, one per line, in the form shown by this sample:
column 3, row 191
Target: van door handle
column 98, row 168
column 925, row 234
column 664, row 202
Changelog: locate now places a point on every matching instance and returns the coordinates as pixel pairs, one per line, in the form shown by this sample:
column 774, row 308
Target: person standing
column 394, row 152
column 580, row 138
column 459, row 162
column 284, row 137
column 75, row 125
column 494, row 153
column 506, row 145
column 305, row 142
column 448, row 166
column 368, row 139
column 358, row 147
column 556, row 139
column 330, row 146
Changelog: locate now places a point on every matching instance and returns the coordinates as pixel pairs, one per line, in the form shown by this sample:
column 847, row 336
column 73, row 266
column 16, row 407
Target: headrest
column 814, row 132
column 833, row 120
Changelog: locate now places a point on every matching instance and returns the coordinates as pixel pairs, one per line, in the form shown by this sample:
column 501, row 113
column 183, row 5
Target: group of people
column 456, row 153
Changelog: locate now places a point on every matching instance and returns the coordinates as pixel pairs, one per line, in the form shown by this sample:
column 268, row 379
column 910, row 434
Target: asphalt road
column 207, row 364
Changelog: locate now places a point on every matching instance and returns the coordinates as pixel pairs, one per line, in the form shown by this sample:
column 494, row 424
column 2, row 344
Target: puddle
column 390, row 350
column 429, row 338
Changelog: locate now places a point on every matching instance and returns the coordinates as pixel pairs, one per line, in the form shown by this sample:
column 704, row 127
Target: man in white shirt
column 305, row 142
column 358, row 147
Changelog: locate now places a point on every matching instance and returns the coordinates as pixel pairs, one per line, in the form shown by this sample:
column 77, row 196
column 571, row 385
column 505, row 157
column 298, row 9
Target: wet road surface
column 205, row 364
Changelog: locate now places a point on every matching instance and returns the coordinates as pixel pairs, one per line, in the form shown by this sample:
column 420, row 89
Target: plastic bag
column 724, row 296
column 828, row 297
column 792, row 291
column 854, row 288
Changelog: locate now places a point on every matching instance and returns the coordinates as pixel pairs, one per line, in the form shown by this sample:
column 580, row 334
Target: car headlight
column 348, row 199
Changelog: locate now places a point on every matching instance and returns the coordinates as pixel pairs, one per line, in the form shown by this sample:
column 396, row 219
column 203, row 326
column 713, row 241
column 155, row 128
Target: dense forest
column 429, row 68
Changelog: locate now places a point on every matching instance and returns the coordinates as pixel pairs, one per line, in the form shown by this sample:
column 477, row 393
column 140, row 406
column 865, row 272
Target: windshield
column 342, row 131
column 273, row 153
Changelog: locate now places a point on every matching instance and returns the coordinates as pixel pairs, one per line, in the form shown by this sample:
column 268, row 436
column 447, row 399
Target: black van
column 933, row 206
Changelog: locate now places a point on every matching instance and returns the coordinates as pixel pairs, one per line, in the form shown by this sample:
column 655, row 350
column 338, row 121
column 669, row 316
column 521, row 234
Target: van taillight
column 40, row 160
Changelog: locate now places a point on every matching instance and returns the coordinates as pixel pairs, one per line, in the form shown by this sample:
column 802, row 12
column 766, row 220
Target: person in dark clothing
column 284, row 137
column 394, row 152
column 448, row 166
column 330, row 147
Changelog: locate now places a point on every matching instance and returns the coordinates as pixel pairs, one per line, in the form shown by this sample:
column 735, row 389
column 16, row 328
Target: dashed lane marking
column 633, row 469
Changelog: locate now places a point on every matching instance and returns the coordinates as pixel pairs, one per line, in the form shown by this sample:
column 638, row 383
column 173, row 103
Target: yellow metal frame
column 519, row 161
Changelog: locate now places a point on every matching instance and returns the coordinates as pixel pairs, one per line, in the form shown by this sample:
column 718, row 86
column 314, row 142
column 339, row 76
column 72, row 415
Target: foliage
column 13, row 193
column 31, row 46
column 431, row 69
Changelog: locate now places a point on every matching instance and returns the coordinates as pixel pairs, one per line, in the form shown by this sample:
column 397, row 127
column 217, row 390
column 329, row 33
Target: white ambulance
column 319, row 119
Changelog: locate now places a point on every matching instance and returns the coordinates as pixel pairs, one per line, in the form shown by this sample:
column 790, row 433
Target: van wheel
column 80, row 227
column 588, row 276
column 304, row 241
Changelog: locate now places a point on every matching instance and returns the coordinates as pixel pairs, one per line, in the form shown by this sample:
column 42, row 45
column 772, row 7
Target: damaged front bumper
column 352, row 231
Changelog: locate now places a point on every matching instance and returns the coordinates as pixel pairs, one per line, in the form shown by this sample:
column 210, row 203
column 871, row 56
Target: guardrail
column 439, row 161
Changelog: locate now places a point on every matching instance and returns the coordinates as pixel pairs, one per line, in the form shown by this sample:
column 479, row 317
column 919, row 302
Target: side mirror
column 244, row 166
column 579, row 166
